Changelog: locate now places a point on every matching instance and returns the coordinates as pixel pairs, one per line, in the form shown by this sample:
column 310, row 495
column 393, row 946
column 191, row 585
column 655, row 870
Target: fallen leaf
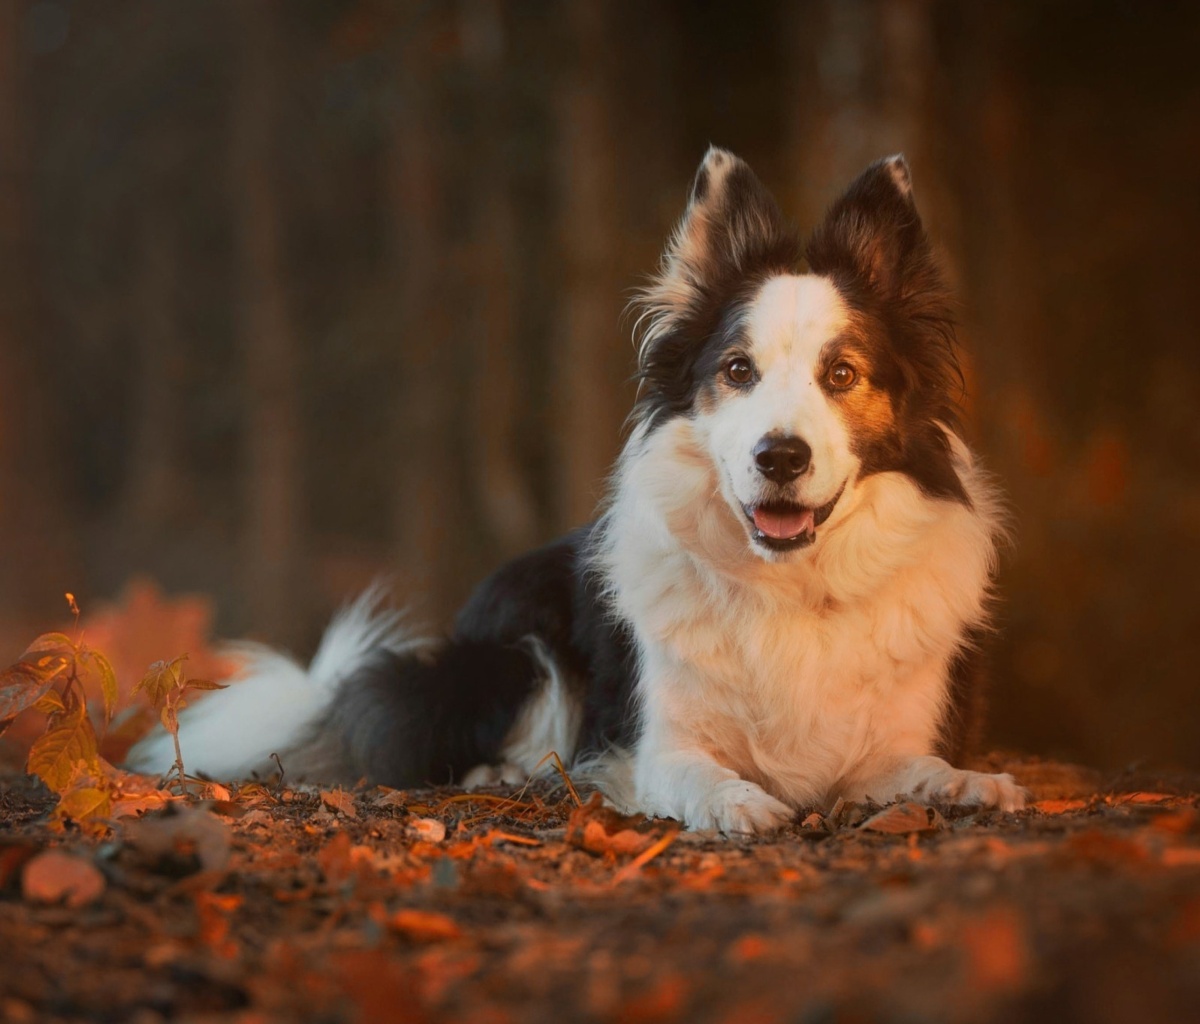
column 996, row 949
column 58, row 877
column 339, row 800
column 428, row 829
column 1059, row 806
column 1181, row 857
column 176, row 840
column 424, row 925
column 625, row 843
column 599, row 829
column 13, row 856
column 1099, row 847
column 903, row 818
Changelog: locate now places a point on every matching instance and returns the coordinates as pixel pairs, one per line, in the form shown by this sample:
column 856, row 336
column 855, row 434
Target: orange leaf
column 1059, row 806
column 160, row 679
column 84, row 803
column 20, row 688
column 204, row 684
column 429, row 829
column 54, row 877
column 424, row 925
column 903, row 818
column 57, row 643
column 339, row 800
column 95, row 666
column 56, row 754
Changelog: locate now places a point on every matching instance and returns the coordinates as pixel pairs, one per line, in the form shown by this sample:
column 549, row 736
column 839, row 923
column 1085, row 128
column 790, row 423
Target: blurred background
column 294, row 294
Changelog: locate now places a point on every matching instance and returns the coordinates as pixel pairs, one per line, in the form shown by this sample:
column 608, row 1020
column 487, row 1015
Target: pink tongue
column 783, row 525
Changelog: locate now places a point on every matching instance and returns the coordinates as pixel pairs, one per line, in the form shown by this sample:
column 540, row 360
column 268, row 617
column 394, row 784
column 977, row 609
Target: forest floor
column 267, row 903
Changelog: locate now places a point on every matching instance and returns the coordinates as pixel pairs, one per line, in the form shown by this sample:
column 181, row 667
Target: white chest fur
column 801, row 674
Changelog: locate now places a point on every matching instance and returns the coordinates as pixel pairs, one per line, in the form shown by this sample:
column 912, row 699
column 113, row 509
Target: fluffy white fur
column 274, row 703
column 769, row 681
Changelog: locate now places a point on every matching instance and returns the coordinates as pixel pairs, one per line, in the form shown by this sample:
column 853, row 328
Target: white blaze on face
column 787, row 325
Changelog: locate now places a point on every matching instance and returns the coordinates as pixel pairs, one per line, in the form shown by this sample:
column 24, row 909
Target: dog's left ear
column 873, row 232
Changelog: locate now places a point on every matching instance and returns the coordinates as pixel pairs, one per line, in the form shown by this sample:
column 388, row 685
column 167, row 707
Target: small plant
column 164, row 685
column 52, row 677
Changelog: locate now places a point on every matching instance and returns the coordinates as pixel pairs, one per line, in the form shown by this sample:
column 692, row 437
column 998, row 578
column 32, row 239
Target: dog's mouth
column 788, row 525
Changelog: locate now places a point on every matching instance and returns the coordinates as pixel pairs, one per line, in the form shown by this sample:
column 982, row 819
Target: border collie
column 780, row 602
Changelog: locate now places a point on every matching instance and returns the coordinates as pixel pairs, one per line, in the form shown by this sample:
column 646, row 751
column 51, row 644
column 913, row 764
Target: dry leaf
column 1059, row 806
column 95, row 667
column 56, row 755
column 626, row 842
column 429, row 829
column 599, row 830
column 58, row 877
column 85, row 802
column 339, row 800
column 903, row 818
column 996, row 950
column 1181, row 857
column 424, row 925
column 176, row 835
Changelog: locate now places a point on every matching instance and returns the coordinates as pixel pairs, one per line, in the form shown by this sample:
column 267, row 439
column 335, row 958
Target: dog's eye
column 842, row 375
column 739, row 371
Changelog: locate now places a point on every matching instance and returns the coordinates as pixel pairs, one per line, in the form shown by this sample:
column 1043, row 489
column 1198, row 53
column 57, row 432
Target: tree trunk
column 496, row 473
column 424, row 450
column 154, row 479
column 589, row 419
column 32, row 559
column 273, row 492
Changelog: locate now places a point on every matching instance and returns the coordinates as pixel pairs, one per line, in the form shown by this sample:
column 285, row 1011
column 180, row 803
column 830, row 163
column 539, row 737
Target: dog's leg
column 691, row 787
column 930, row 779
column 675, row 779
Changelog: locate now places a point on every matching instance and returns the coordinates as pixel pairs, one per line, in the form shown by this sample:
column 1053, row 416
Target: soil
column 272, row 903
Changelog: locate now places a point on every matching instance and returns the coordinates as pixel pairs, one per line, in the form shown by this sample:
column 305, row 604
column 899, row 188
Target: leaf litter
column 544, row 904
column 123, row 897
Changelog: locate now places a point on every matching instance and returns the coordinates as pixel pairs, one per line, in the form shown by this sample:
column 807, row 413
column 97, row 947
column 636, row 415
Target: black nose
column 782, row 459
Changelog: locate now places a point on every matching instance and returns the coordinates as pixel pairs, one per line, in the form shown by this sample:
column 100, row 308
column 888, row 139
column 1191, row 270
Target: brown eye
column 739, row 371
column 842, row 375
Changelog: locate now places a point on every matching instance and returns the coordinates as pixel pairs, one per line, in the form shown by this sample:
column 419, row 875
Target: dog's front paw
column 973, row 789
column 740, row 806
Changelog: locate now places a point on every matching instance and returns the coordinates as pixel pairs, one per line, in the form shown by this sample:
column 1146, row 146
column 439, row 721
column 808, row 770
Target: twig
column 645, row 857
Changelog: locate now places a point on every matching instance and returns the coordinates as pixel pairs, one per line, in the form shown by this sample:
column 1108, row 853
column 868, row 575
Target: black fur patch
column 408, row 720
column 960, row 730
column 746, row 241
column 873, row 246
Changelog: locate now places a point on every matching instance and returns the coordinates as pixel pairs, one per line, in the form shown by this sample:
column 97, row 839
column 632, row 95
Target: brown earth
column 267, row 903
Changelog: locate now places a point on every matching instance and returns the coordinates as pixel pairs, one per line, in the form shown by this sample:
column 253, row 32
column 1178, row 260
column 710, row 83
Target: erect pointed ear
column 732, row 231
column 873, row 232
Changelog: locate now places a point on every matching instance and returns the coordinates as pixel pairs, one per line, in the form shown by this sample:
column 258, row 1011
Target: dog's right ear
column 732, row 232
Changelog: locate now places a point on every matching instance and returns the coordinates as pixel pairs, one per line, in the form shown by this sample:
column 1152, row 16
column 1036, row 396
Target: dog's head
column 804, row 368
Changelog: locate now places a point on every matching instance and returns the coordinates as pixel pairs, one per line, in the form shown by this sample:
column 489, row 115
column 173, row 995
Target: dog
column 782, row 598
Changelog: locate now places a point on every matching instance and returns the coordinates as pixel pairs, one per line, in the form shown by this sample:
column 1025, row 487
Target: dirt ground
column 266, row 903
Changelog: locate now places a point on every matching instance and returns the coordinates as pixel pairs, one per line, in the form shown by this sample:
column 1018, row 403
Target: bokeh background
column 296, row 293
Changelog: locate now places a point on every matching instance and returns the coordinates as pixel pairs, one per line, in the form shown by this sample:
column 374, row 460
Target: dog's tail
column 277, row 706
